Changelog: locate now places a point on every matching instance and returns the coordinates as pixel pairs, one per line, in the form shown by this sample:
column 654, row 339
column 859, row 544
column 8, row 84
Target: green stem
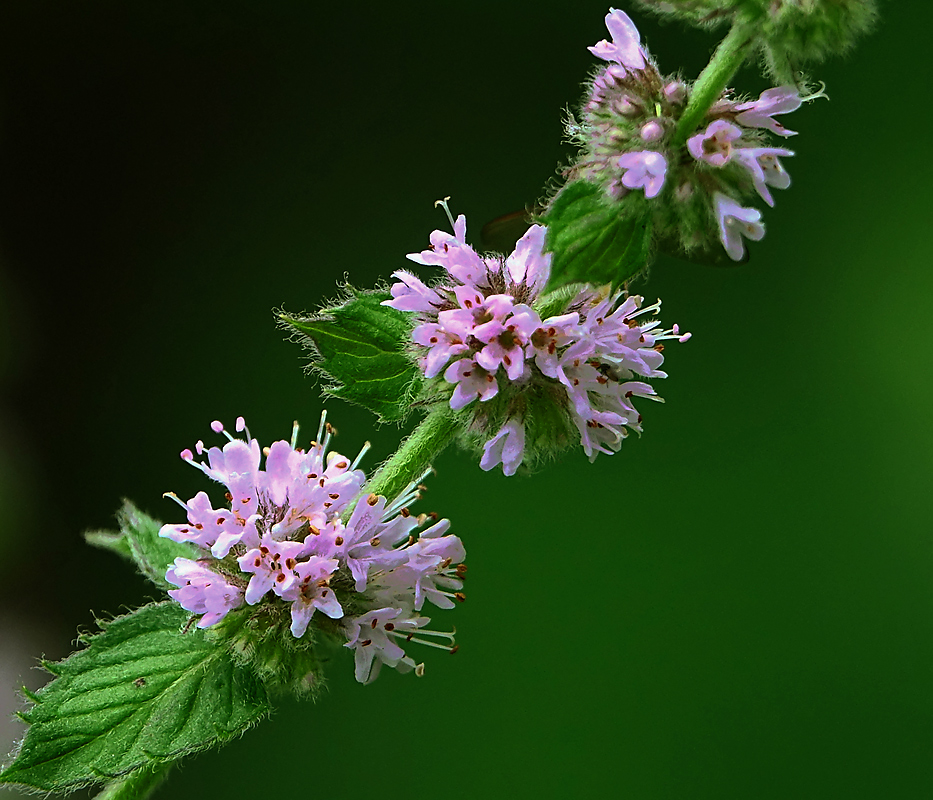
column 137, row 785
column 729, row 56
column 414, row 456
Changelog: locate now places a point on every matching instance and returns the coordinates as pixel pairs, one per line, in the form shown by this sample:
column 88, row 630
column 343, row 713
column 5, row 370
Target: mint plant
column 516, row 356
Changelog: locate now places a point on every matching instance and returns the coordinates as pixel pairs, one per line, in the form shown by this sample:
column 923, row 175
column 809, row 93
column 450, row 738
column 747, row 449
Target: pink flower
column 453, row 254
column 412, row 295
column 272, row 565
column 374, row 637
column 549, row 340
column 760, row 113
column 443, row 345
column 625, row 48
column 202, row 591
column 644, row 170
column 766, row 169
column 505, row 342
column 472, row 382
column 314, row 593
column 714, row 145
column 505, row 448
column 736, row 222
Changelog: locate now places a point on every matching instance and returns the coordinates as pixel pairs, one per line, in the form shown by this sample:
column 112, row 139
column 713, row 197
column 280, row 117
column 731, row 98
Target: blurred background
column 739, row 604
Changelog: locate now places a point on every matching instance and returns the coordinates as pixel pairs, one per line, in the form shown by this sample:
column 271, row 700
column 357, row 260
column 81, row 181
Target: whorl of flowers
column 530, row 380
column 696, row 189
column 299, row 542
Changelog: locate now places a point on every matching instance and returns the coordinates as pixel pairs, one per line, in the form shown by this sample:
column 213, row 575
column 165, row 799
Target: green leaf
column 594, row 239
column 139, row 540
column 141, row 693
column 360, row 346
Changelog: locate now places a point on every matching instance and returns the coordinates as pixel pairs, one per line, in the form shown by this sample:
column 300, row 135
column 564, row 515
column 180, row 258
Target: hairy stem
column 729, row 56
column 138, row 785
column 414, row 456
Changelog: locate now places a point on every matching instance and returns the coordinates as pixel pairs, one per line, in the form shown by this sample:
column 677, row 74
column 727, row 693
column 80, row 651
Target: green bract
column 359, row 346
column 140, row 693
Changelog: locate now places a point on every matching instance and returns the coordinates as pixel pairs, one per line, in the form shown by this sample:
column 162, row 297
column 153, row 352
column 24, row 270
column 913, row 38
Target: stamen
column 443, row 203
column 410, row 638
column 320, row 428
column 241, row 426
column 294, row 441
column 426, row 632
column 363, row 451
column 174, row 497
column 329, row 432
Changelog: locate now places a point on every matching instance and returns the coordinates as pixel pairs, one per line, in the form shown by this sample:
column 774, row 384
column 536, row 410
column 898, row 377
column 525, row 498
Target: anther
column 372, row 500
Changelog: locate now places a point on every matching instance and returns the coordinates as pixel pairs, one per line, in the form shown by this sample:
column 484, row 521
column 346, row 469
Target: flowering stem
column 137, row 785
column 729, row 56
column 414, row 456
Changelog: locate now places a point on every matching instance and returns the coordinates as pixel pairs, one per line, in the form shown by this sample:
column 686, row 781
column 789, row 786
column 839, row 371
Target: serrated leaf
column 141, row 693
column 594, row 240
column 139, row 541
column 360, row 346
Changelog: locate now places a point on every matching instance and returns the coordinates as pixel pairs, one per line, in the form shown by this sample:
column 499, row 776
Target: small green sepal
column 595, row 239
column 360, row 347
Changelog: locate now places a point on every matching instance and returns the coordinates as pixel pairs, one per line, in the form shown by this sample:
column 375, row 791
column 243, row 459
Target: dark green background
column 737, row 605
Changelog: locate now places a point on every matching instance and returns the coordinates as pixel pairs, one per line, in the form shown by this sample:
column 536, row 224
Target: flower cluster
column 487, row 334
column 627, row 135
column 299, row 541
